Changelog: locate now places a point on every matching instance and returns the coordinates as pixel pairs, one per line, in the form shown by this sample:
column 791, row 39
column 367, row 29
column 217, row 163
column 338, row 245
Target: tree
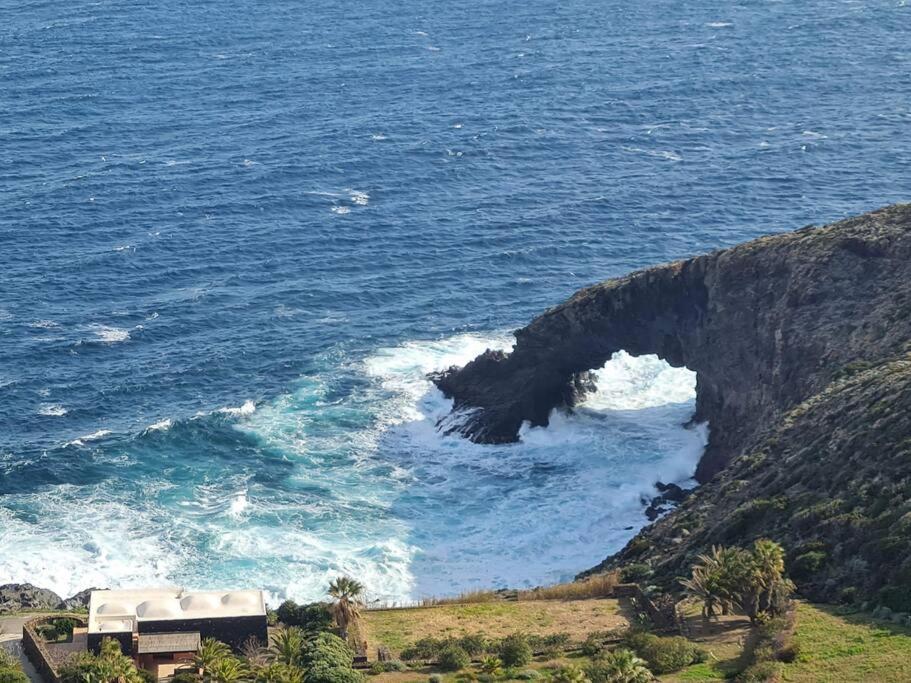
column 227, row 670
column 108, row 666
column 278, row 673
column 287, row 646
column 348, row 595
column 210, row 651
column 750, row 580
column 619, row 666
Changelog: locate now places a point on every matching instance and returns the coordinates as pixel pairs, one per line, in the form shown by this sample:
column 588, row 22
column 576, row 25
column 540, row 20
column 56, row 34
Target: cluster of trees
column 10, row 671
column 452, row 654
column 109, row 665
column 750, row 580
column 293, row 656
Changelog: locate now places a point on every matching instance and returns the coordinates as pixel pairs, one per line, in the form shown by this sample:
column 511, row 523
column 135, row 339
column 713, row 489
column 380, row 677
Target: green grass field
column 848, row 649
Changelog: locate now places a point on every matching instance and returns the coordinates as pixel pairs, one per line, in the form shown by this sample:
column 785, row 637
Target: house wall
column 234, row 631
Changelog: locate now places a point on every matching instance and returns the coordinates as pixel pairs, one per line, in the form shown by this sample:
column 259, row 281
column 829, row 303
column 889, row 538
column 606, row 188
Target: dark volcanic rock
column 80, row 600
column 765, row 325
column 19, row 596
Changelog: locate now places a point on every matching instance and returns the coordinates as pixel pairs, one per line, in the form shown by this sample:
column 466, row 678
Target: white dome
column 115, row 608
column 245, row 599
column 159, row 609
column 200, row 601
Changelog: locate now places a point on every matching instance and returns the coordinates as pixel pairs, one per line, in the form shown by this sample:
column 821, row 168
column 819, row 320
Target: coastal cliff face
column 765, row 325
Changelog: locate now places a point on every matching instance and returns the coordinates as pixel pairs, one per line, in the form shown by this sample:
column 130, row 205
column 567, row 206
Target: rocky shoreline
column 16, row 597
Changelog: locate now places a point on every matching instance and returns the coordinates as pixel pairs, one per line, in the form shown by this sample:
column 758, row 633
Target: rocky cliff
column 765, row 325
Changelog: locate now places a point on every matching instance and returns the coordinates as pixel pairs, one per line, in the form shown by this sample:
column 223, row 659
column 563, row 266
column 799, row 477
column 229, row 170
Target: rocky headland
column 800, row 343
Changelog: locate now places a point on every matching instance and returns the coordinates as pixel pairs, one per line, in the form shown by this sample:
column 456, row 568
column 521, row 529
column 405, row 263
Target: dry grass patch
column 399, row 628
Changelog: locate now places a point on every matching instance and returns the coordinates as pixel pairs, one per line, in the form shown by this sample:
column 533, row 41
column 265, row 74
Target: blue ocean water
column 236, row 235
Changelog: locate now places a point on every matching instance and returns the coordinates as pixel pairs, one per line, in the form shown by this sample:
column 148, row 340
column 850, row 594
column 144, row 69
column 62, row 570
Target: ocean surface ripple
column 236, row 235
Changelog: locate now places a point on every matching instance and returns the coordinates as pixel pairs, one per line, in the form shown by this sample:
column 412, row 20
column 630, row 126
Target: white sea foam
column 358, row 197
column 378, row 137
column 52, row 410
column 719, row 24
column 110, row 335
column 160, row 426
column 341, row 210
column 44, row 324
column 248, row 408
column 661, row 154
column 94, row 436
column 372, row 489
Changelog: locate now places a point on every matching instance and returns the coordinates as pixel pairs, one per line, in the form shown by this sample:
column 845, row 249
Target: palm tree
column 569, row 674
column 620, row 666
column 210, row 651
column 287, row 646
column 227, row 670
column 279, row 673
column 348, row 595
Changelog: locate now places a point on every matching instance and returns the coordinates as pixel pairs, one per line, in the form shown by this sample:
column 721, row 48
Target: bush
column 665, row 655
column 328, row 649
column 896, row 598
column 592, row 645
column 453, row 658
column 315, row 617
column 385, row 667
column 761, row 672
column 634, row 573
column 514, row 650
column 321, row 672
column 435, row 678
column 425, row 648
column 527, row 675
column 185, row 677
column 9, row 675
column 549, row 645
column 805, row 566
column 569, row 674
column 64, row 626
column 474, row 644
column 618, row 666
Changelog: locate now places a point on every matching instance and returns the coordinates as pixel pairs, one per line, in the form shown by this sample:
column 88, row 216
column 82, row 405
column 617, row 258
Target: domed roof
column 200, row 601
column 240, row 599
column 158, row 609
column 118, row 626
column 118, row 608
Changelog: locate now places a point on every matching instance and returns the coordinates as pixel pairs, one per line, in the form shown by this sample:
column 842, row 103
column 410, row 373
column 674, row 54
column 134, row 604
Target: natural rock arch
column 764, row 325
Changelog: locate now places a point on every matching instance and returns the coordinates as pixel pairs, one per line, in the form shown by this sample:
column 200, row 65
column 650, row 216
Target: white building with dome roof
column 165, row 625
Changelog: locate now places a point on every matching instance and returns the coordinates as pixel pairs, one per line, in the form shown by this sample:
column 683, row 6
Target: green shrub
column 64, row 626
column 321, row 672
column 551, row 645
column 665, row 654
column 377, row 668
column 592, row 645
column 618, row 666
column 315, row 617
column 328, row 649
column 805, row 566
column 453, row 658
column 514, row 650
column 385, row 667
column 896, row 598
column 425, row 648
column 569, row 674
column 474, row 644
column 634, row 573
column 185, row 677
column 435, row 678
column 761, row 672
column 13, row 676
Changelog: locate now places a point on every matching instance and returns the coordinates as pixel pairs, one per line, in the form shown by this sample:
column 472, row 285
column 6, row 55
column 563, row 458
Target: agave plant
column 621, row 666
column 492, row 666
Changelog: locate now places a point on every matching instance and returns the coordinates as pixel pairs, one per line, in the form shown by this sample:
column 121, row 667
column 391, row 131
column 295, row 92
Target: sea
column 236, row 236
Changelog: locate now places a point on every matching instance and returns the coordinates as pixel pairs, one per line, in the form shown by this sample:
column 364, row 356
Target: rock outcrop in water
column 765, row 325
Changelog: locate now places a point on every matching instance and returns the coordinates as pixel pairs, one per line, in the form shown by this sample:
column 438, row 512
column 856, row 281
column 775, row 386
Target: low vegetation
column 10, row 671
